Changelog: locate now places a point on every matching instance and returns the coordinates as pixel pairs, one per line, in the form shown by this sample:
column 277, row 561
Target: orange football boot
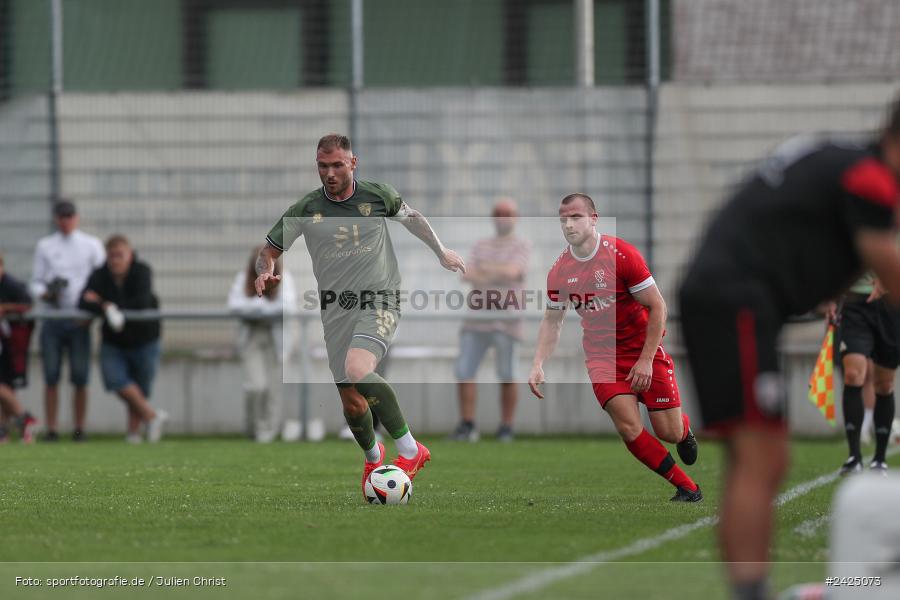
column 412, row 465
column 369, row 467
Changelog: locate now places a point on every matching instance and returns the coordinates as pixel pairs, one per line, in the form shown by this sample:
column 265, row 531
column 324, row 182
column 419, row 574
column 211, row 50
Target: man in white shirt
column 63, row 261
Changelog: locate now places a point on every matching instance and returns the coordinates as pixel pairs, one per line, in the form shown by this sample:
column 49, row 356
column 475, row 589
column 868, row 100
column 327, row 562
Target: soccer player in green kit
column 359, row 281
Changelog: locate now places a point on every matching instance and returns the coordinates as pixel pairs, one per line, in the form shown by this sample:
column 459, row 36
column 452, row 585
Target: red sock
column 654, row 455
column 687, row 425
column 679, row 478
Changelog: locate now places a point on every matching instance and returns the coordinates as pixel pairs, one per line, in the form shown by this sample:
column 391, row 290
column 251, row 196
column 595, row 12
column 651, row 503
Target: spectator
column 62, row 263
column 14, row 338
column 496, row 269
column 129, row 352
column 261, row 341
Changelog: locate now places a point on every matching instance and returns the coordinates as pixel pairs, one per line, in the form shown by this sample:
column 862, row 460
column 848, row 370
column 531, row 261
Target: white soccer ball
column 388, row 485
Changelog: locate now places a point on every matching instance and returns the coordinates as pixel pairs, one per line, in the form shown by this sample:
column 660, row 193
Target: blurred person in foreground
column 353, row 260
column 129, row 352
column 262, row 340
column 496, row 269
column 14, row 338
column 795, row 234
column 623, row 315
column 864, row 546
column 63, row 261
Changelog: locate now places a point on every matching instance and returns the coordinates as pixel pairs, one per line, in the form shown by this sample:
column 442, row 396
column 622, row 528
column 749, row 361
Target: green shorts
column 371, row 329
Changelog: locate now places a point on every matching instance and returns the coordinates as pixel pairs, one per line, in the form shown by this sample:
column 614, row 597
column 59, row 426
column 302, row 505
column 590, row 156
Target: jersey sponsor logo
column 602, row 303
column 343, row 236
column 365, row 209
column 599, row 278
column 588, row 301
column 358, row 251
column 317, row 218
column 572, row 280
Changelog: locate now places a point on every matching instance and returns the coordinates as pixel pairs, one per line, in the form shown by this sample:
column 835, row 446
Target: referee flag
column 821, row 382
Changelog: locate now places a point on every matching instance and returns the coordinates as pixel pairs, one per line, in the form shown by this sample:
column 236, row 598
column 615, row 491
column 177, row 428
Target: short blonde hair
column 334, row 140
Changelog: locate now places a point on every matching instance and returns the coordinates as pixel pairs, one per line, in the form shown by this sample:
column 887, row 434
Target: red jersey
column 600, row 288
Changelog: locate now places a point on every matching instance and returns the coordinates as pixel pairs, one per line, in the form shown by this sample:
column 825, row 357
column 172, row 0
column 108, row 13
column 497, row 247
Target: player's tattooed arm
column 416, row 223
column 265, row 269
column 265, row 261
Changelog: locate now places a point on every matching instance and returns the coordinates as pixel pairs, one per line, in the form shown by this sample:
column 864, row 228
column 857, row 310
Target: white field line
column 810, row 527
column 546, row 577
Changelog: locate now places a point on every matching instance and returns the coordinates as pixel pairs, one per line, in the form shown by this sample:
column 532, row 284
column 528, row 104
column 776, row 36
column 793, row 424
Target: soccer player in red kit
column 623, row 315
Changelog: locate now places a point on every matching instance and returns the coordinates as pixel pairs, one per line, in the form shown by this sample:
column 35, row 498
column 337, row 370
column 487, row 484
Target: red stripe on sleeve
column 870, row 180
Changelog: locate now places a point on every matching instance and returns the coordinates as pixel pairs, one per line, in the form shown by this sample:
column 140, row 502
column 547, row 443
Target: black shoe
column 465, row 432
column 853, row 465
column 687, row 449
column 50, row 436
column 79, row 436
column 686, row 495
column 505, row 434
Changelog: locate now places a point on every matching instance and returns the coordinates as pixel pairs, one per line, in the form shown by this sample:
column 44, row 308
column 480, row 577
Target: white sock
column 406, row 445
column 868, row 416
column 373, row 454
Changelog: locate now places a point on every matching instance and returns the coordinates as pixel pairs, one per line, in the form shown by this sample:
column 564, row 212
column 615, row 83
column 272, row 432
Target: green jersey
column 347, row 240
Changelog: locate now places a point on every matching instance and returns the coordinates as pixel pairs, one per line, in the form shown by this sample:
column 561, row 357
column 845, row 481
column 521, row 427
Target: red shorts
column 663, row 392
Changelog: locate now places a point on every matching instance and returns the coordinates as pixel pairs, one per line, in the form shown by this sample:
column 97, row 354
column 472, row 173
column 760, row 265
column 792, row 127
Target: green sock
column 362, row 429
column 383, row 402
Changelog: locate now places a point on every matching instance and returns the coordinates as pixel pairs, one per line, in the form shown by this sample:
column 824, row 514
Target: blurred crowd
column 74, row 271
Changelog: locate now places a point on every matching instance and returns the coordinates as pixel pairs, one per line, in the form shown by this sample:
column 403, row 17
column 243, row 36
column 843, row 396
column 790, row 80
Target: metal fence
column 190, row 125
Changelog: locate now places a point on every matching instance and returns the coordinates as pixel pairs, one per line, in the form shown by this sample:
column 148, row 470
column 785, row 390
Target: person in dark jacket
column 129, row 352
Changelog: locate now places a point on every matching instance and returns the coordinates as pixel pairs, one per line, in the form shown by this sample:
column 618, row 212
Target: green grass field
column 288, row 520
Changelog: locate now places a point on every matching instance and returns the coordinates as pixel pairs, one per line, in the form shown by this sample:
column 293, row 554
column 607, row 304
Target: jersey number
column 386, row 322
